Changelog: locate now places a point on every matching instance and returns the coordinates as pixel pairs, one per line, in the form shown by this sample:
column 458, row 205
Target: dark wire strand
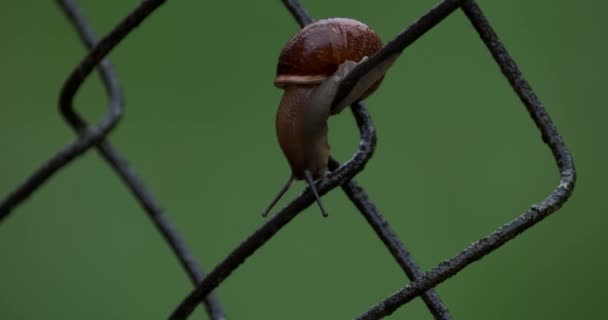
column 298, row 12
column 89, row 135
column 265, row 232
column 360, row 199
column 358, row 196
column 92, row 135
column 535, row 214
column 121, row 167
column 396, row 46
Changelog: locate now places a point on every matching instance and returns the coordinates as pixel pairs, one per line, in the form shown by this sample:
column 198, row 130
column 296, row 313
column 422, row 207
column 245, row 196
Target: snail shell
column 316, row 51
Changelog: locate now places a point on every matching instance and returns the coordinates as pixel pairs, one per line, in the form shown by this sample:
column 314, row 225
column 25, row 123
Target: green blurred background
column 457, row 157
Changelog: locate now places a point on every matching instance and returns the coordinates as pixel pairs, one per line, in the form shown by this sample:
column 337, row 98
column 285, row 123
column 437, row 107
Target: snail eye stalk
column 278, row 197
column 311, row 183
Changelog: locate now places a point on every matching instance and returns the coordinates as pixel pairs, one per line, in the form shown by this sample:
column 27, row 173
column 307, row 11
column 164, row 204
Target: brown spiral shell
column 315, row 52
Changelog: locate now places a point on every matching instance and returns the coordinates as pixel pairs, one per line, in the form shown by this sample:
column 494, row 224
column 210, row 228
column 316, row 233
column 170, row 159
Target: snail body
column 308, row 72
column 302, row 132
column 310, row 68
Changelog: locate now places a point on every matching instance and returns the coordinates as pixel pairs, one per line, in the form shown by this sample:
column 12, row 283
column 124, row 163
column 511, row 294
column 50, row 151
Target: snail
column 310, row 69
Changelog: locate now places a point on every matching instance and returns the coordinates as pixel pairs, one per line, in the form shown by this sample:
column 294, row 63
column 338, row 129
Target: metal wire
column 285, row 215
column 535, row 214
column 397, row 45
column 106, row 150
column 121, row 167
column 486, row 245
column 298, row 12
column 423, row 283
column 92, row 134
column 359, row 198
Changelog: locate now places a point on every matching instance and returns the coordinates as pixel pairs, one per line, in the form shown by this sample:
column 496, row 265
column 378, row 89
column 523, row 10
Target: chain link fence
column 91, row 136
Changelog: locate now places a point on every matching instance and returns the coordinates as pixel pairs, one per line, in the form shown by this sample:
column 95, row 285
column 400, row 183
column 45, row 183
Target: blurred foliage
column 457, row 157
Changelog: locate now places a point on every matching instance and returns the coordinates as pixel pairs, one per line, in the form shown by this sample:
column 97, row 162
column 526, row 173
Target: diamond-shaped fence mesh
column 95, row 136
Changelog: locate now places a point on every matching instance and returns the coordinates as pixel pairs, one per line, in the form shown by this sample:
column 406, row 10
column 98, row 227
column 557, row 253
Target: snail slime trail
column 310, row 69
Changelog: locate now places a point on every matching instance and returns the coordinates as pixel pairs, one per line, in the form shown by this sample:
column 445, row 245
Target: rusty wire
column 428, row 280
column 422, row 283
column 535, row 214
column 95, row 136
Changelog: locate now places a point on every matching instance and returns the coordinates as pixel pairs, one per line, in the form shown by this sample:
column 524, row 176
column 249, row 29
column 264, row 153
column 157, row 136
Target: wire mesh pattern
column 423, row 283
